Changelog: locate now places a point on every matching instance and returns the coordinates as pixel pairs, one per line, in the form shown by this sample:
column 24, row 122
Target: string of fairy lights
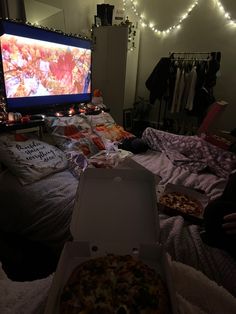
column 163, row 32
column 225, row 13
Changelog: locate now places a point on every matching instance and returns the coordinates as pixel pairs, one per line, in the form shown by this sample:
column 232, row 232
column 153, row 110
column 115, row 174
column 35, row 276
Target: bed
column 40, row 210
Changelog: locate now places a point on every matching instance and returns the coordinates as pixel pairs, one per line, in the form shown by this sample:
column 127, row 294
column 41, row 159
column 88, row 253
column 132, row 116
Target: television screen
column 42, row 68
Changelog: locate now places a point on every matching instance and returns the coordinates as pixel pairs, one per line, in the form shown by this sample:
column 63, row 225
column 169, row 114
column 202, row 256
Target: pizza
column 182, row 202
column 114, row 284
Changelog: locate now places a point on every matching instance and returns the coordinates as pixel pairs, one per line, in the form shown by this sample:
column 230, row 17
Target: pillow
column 113, row 132
column 104, row 126
column 30, row 159
column 70, row 138
column 103, row 118
column 79, row 121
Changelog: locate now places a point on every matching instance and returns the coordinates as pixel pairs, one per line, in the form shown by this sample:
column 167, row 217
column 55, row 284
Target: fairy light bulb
column 225, row 13
column 153, row 26
column 177, row 25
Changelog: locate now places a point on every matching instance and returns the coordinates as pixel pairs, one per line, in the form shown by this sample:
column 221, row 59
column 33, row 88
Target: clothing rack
column 189, row 56
column 190, row 53
column 162, row 82
column 185, row 56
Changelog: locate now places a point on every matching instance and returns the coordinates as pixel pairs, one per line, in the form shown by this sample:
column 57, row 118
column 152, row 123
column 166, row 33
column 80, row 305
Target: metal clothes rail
column 189, row 56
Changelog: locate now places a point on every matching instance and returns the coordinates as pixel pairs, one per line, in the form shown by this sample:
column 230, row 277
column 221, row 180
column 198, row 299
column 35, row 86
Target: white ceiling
column 37, row 11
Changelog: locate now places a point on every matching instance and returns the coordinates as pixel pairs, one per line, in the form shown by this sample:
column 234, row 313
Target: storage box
column 115, row 212
column 196, row 196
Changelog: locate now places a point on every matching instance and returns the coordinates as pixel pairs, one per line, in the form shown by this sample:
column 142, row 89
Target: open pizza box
column 115, row 213
column 191, row 203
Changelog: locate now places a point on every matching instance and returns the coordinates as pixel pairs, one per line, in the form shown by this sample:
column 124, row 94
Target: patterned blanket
column 191, row 152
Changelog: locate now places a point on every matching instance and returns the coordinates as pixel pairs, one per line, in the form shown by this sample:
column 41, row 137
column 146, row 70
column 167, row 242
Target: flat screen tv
column 42, row 68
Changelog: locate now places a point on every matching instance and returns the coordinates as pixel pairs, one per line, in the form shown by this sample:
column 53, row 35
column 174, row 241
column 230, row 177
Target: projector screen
column 42, row 68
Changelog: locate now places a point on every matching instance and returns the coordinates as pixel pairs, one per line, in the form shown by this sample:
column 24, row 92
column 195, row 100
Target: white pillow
column 103, row 118
column 30, row 160
column 79, row 121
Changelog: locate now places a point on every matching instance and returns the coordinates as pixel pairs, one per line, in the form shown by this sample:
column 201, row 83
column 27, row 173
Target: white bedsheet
column 160, row 165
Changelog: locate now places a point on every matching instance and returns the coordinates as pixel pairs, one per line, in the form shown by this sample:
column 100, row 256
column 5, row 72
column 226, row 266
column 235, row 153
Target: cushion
column 79, row 121
column 103, row 118
column 30, row 159
column 113, row 132
column 70, row 138
column 104, row 126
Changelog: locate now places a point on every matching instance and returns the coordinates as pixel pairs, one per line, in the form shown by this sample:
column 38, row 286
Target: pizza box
column 116, row 204
column 129, row 163
column 76, row 252
column 195, row 195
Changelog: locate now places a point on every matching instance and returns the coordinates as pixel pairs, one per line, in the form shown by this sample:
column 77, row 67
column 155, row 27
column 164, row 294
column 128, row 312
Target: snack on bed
column 114, row 284
column 182, row 202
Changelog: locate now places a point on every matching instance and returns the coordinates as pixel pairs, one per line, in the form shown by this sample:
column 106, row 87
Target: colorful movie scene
column 39, row 68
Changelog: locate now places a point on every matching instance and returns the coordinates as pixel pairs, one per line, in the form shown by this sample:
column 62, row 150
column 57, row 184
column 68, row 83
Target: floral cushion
column 81, row 122
column 104, row 125
column 70, row 138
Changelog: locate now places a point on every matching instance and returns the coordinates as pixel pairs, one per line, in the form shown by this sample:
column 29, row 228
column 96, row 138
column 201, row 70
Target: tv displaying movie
column 42, row 68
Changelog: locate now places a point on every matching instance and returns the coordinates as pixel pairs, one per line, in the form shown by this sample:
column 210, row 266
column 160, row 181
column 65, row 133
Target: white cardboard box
column 201, row 197
column 115, row 212
column 116, row 204
column 75, row 253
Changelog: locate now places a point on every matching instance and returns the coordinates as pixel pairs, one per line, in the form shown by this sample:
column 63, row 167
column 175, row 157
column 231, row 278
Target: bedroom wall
column 71, row 16
column 206, row 29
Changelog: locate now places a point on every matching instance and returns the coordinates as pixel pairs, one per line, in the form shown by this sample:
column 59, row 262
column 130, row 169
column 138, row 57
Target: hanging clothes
column 183, row 83
column 202, row 101
column 213, row 68
column 181, row 90
column 176, row 90
column 203, row 93
column 157, row 82
column 191, row 92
